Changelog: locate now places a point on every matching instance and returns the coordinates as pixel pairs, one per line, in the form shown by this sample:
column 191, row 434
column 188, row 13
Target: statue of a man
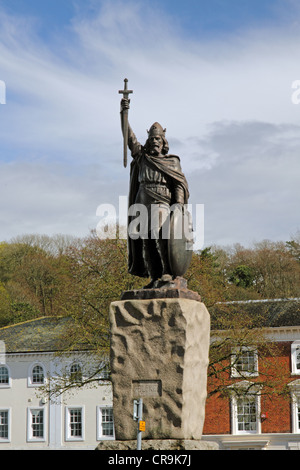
column 157, row 182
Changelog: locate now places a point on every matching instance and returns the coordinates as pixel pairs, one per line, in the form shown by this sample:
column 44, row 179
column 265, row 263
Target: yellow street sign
column 142, row 426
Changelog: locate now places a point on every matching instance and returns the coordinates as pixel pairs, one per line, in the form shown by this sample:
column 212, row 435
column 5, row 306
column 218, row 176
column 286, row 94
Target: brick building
column 254, row 419
column 234, row 421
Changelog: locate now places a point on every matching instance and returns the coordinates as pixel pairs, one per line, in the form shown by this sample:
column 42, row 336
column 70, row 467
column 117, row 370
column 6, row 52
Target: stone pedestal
column 159, row 352
column 158, row 444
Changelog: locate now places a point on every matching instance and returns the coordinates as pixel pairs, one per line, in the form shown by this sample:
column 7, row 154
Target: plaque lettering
column 146, row 388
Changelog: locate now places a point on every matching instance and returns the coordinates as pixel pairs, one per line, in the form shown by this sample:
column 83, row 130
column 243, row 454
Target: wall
column 19, row 397
column 278, row 409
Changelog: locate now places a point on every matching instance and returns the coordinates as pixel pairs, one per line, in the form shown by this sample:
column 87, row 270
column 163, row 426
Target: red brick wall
column 217, row 416
column 278, row 415
column 278, row 409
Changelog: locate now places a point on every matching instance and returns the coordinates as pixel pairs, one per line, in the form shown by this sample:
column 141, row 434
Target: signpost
column 138, row 416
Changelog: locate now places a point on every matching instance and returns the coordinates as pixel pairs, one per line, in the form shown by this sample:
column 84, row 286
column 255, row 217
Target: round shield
column 180, row 246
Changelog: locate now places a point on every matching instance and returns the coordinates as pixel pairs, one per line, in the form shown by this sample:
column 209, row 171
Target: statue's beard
column 156, row 150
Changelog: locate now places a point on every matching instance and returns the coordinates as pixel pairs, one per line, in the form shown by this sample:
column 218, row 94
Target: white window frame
column 76, row 376
column 234, row 406
column 100, row 436
column 235, row 372
column 295, row 347
column 30, row 383
column 8, row 438
column 296, row 413
column 4, row 385
column 30, row 437
column 68, row 436
column 295, row 406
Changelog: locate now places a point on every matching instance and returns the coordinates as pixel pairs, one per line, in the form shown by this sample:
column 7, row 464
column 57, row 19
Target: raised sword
column 125, row 92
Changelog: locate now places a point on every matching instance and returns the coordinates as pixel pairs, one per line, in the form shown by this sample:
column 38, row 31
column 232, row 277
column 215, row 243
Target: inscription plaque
column 146, row 388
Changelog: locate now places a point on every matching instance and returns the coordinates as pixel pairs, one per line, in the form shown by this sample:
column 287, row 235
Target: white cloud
column 253, row 190
column 226, row 105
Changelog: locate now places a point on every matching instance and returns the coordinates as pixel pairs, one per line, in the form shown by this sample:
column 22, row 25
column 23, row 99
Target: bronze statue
column 157, row 183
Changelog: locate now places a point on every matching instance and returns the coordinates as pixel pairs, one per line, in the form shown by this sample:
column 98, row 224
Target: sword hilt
column 125, row 91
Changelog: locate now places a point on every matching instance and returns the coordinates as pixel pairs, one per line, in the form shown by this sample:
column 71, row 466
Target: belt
column 155, row 186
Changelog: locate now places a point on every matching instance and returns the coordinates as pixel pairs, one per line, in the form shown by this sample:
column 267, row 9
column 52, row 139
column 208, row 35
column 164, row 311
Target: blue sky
column 217, row 74
column 193, row 18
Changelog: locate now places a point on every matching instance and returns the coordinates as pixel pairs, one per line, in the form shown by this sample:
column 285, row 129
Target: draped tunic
column 155, row 180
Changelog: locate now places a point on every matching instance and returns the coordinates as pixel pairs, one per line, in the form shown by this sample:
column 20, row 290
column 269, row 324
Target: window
column 76, row 372
column 105, row 423
column 36, row 424
column 295, row 353
column 36, row 376
column 245, row 408
column 4, row 425
column 246, row 414
column 244, row 363
column 74, row 423
column 298, row 413
column 295, row 394
column 4, row 376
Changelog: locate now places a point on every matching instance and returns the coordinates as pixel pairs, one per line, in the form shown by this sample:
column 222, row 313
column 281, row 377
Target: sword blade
column 125, row 93
column 125, row 133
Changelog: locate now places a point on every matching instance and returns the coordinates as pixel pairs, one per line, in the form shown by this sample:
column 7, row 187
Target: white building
column 28, row 419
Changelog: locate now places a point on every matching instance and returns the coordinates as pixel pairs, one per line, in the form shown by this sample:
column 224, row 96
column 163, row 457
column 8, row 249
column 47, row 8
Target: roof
column 49, row 334
column 43, row 334
column 263, row 313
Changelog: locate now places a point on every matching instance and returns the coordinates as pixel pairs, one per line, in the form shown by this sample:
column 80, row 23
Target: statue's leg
column 152, row 261
column 162, row 248
column 160, row 235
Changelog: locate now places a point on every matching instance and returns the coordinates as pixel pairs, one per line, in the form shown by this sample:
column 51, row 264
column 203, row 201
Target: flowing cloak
column 169, row 165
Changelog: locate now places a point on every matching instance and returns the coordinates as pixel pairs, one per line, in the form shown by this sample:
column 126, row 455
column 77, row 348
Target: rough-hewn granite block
column 159, row 444
column 159, row 352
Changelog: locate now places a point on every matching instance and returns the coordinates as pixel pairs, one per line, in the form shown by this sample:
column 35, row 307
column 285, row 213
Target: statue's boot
column 152, row 263
column 162, row 248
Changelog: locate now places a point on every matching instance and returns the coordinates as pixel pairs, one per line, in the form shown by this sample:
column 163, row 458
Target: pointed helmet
column 156, row 129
